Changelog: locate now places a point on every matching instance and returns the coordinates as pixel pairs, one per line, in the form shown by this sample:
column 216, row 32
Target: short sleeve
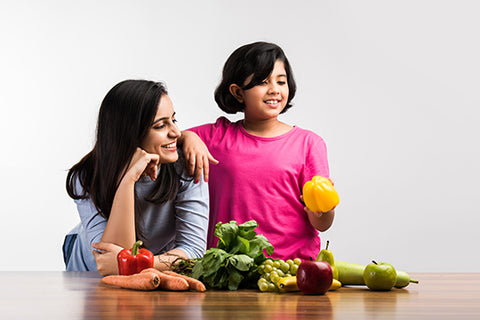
column 316, row 160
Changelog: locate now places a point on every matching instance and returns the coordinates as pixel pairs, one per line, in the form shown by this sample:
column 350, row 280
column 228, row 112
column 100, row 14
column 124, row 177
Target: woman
column 133, row 185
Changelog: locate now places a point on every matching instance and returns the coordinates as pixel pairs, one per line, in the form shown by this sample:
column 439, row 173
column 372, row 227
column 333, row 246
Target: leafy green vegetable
column 233, row 264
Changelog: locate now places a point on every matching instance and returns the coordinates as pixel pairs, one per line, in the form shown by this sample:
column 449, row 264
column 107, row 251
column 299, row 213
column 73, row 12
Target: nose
column 175, row 131
column 273, row 88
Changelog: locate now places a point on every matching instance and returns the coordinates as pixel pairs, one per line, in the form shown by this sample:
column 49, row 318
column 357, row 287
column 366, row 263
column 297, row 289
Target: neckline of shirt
column 283, row 135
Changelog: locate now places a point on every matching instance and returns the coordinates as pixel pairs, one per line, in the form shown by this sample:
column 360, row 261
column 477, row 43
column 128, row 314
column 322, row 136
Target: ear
column 236, row 91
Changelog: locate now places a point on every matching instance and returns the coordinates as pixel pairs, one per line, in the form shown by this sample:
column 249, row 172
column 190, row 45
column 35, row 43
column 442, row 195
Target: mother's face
column 163, row 134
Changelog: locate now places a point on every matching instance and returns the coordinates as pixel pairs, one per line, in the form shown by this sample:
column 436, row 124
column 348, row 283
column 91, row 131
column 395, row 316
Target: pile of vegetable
column 234, row 262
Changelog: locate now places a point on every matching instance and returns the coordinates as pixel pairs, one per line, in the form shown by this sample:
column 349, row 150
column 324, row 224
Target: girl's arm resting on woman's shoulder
column 196, row 154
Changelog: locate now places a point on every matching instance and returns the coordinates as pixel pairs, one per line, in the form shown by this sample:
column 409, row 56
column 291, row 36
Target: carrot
column 168, row 282
column 193, row 283
column 138, row 281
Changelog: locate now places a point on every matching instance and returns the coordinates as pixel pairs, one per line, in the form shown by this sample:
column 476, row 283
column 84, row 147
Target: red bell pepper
column 131, row 261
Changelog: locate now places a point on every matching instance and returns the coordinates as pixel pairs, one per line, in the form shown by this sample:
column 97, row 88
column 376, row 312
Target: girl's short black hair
column 256, row 58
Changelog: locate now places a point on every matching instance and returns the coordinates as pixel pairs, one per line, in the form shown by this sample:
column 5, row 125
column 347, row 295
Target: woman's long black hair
column 125, row 118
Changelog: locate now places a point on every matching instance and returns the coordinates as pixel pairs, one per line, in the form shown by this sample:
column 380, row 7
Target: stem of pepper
column 136, row 245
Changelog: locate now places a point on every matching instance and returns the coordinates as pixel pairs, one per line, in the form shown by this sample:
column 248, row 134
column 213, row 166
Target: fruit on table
column 273, row 271
column 288, row 284
column 403, row 279
column 352, row 274
column 380, row 276
column 314, row 277
column 319, row 194
column 335, row 285
column 327, row 256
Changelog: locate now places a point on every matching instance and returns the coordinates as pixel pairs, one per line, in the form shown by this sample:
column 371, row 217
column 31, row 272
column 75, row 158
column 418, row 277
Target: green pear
column 327, row 256
column 403, row 279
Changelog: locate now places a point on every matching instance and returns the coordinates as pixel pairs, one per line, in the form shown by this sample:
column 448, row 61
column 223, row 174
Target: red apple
column 314, row 277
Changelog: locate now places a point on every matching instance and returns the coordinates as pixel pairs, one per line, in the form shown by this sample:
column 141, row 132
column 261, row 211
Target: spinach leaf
column 234, row 263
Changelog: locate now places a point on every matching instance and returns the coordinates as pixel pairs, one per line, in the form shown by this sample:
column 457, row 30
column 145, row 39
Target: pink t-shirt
column 261, row 179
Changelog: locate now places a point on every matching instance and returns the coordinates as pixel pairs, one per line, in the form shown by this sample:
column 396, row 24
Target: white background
column 392, row 86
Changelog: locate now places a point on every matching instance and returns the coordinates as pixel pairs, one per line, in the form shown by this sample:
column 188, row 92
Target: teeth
column 171, row 145
column 271, row 101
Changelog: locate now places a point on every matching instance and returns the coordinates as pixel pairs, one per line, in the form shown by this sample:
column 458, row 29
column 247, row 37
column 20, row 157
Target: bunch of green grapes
column 272, row 270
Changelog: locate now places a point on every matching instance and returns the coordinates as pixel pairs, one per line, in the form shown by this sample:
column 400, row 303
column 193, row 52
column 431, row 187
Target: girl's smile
column 267, row 99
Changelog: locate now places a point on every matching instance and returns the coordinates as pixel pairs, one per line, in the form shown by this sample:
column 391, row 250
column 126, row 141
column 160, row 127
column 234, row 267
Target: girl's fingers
column 199, row 166
column 211, row 159
column 190, row 159
column 206, row 170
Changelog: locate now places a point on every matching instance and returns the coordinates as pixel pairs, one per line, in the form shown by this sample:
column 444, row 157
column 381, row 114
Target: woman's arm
column 106, row 258
column 192, row 216
column 120, row 228
column 197, row 155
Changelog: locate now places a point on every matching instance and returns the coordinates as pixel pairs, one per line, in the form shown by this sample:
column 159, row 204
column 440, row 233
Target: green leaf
column 226, row 233
column 241, row 262
column 247, row 229
column 234, row 279
column 259, row 258
column 212, row 261
column 257, row 245
column 240, row 245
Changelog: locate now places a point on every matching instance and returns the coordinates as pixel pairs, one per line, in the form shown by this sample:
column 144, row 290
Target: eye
column 282, row 83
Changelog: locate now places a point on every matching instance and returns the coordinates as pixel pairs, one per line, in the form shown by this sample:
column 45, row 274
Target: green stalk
column 136, row 245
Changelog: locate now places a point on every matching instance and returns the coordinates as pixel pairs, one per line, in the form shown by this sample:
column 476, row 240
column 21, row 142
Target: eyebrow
column 163, row 118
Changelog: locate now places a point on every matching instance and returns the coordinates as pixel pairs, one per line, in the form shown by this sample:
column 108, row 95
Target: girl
column 263, row 162
column 131, row 186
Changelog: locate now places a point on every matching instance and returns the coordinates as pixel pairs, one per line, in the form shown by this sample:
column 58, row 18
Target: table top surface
column 81, row 295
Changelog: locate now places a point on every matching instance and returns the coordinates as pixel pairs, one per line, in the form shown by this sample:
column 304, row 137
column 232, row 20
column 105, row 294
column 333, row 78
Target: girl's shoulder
column 217, row 130
column 299, row 132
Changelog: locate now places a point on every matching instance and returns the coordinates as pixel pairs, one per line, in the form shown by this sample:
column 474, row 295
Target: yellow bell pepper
column 319, row 194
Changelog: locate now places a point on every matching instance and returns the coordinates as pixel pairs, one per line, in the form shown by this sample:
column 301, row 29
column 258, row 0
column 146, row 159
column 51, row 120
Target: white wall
column 392, row 86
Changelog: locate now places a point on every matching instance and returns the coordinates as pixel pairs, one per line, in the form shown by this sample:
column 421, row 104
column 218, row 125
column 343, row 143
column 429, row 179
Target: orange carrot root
column 138, row 281
column 193, row 283
column 168, row 282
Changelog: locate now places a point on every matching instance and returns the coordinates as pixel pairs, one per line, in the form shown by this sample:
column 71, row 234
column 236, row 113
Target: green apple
column 380, row 276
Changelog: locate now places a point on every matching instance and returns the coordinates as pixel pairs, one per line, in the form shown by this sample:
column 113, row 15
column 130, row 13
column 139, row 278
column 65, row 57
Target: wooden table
column 80, row 295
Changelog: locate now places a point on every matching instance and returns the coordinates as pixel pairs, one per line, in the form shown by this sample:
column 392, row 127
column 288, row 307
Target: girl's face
column 268, row 99
column 163, row 135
